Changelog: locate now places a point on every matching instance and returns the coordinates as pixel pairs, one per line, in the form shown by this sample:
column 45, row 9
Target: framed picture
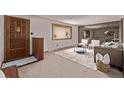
column 61, row 32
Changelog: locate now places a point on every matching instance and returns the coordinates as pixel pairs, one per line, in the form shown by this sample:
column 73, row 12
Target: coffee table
column 80, row 50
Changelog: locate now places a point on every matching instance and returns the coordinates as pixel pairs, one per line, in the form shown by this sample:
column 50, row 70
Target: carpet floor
column 54, row 66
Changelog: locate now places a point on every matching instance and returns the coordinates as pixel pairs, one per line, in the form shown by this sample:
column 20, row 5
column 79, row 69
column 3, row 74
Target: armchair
column 84, row 42
column 94, row 43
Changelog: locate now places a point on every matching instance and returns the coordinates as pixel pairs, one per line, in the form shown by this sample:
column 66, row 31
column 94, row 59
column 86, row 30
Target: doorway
column 16, row 38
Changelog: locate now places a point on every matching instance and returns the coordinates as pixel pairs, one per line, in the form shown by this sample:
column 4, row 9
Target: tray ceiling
column 82, row 19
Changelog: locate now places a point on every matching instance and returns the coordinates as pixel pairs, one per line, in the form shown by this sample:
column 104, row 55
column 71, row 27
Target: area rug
column 86, row 59
column 20, row 62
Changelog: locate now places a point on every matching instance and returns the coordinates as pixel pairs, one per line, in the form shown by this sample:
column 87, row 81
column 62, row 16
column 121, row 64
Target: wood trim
column 28, row 48
column 64, row 27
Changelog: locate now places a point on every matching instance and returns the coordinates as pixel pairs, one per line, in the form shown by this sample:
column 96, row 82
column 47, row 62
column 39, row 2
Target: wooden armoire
column 16, row 38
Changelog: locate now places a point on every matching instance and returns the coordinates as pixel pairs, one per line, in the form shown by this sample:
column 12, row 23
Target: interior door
column 16, row 38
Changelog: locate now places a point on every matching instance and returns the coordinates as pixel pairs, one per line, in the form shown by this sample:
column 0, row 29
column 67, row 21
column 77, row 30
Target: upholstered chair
column 84, row 42
column 95, row 43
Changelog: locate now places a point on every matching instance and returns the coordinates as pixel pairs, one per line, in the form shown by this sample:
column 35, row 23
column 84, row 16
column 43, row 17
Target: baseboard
column 51, row 50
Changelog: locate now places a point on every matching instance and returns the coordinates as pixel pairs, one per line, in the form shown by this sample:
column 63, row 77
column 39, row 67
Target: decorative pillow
column 99, row 57
column 104, row 59
column 2, row 75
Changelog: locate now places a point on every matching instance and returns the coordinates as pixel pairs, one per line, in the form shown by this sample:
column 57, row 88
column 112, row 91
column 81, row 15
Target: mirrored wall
column 105, row 32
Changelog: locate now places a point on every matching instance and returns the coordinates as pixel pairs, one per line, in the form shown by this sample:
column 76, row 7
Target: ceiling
column 82, row 19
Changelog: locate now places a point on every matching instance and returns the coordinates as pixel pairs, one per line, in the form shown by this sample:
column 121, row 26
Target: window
column 61, row 32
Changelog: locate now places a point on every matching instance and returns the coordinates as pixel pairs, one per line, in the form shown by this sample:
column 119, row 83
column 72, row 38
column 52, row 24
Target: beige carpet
column 86, row 59
column 54, row 66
